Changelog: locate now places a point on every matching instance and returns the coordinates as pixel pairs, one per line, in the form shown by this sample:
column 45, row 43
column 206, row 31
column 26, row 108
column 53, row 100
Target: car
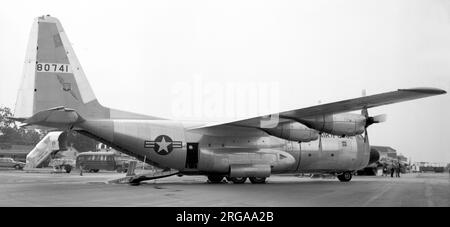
column 11, row 163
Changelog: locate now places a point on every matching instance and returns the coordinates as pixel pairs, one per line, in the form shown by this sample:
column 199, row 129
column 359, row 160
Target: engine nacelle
column 345, row 124
column 294, row 132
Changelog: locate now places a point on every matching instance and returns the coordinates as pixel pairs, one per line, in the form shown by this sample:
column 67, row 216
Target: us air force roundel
column 163, row 144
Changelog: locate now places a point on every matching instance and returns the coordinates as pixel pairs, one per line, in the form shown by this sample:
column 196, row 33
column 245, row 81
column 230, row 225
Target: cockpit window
column 282, row 156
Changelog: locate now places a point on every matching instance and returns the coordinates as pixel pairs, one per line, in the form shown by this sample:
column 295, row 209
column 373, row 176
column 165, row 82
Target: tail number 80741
column 53, row 68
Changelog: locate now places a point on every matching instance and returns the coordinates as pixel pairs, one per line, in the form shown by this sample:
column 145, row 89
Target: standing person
column 399, row 166
column 385, row 171
column 81, row 170
column 392, row 169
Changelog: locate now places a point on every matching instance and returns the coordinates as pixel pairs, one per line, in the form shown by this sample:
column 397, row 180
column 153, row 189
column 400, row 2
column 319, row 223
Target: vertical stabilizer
column 53, row 78
column 52, row 74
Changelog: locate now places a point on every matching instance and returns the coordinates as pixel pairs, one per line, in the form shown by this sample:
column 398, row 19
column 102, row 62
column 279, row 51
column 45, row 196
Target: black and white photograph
column 225, row 104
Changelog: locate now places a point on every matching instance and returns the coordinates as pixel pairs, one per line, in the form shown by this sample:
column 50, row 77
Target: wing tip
column 426, row 90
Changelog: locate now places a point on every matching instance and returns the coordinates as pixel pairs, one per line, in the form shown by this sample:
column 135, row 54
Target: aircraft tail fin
column 53, row 77
column 52, row 74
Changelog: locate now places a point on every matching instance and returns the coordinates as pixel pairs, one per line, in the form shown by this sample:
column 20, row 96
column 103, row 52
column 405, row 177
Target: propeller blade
column 366, row 135
column 365, row 113
column 379, row 118
column 320, row 142
column 376, row 119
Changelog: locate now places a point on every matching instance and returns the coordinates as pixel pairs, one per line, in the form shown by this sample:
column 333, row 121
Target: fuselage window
column 344, row 143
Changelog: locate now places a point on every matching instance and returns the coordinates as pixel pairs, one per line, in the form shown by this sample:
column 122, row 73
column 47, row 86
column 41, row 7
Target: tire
column 95, row 170
column 237, row 180
column 68, row 169
column 345, row 177
column 214, row 179
column 18, row 167
column 258, row 180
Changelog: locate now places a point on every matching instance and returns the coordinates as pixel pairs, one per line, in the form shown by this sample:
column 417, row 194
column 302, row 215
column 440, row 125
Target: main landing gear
column 345, row 176
column 215, row 179
column 258, row 180
column 237, row 180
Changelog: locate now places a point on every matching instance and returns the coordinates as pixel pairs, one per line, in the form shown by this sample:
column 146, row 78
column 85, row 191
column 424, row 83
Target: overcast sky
column 138, row 54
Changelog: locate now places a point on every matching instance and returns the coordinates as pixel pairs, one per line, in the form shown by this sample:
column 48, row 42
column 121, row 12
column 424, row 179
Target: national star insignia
column 163, row 144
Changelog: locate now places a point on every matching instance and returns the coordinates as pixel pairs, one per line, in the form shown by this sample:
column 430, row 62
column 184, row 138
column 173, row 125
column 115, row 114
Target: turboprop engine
column 294, row 131
column 345, row 124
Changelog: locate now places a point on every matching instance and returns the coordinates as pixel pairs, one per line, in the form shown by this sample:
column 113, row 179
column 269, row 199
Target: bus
column 95, row 161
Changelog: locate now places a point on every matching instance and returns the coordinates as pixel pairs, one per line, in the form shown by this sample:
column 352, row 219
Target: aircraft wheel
column 215, row 179
column 17, row 167
column 95, row 170
column 258, row 180
column 68, row 169
column 237, row 180
column 345, row 177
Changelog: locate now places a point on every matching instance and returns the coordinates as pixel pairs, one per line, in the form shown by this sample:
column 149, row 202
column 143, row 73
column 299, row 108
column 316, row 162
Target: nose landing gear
column 345, row 176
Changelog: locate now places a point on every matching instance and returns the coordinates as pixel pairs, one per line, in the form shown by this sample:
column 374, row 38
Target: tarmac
column 22, row 188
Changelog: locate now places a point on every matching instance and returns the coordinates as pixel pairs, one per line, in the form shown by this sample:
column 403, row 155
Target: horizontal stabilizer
column 58, row 117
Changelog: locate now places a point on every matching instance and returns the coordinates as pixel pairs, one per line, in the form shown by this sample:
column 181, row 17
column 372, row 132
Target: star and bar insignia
column 163, row 144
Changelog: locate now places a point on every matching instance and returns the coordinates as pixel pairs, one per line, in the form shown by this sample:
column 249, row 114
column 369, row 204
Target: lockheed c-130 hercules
column 55, row 93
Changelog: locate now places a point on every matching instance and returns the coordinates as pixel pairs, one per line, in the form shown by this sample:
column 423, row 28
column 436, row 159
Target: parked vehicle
column 62, row 164
column 10, row 163
column 95, row 161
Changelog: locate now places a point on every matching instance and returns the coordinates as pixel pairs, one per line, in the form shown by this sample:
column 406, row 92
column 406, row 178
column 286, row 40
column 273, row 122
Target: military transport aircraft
column 55, row 93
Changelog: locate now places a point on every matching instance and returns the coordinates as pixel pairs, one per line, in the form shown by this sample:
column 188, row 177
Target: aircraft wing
column 401, row 95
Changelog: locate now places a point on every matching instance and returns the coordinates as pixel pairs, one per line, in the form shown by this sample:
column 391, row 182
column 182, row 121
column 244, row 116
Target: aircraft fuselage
column 168, row 144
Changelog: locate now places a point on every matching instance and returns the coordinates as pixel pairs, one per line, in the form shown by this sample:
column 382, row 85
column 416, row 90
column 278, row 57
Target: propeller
column 370, row 120
column 320, row 142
